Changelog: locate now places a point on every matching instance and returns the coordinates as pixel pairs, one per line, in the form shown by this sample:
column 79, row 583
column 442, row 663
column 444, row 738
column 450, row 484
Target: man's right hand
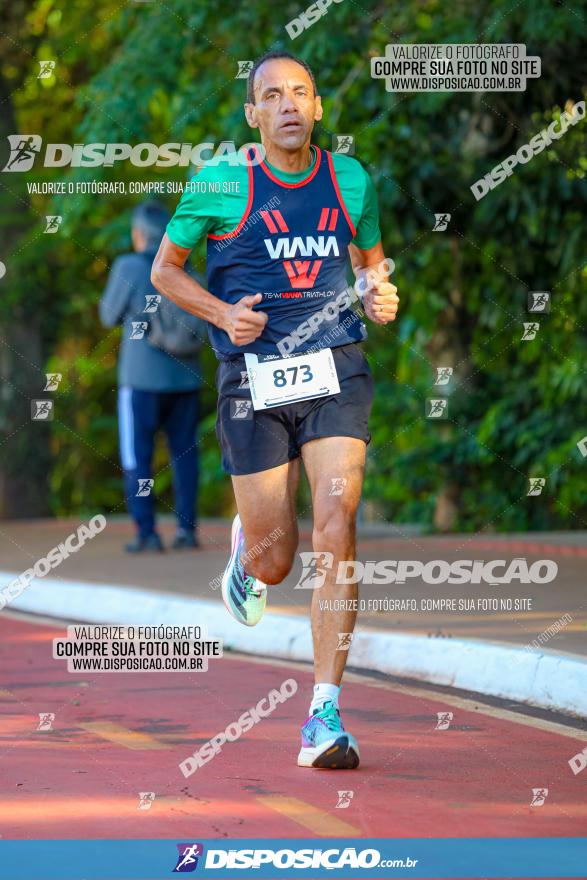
column 242, row 324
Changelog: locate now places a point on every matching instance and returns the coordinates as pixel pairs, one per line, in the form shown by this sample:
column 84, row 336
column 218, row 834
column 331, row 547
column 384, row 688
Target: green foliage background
column 163, row 72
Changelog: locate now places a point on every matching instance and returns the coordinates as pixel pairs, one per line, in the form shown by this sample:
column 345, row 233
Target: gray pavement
column 103, row 560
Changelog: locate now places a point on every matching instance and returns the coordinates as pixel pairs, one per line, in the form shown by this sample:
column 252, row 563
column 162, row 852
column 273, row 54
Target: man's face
column 139, row 242
column 285, row 107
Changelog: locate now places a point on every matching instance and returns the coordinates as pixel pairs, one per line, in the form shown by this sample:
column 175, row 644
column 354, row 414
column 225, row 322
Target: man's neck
column 288, row 161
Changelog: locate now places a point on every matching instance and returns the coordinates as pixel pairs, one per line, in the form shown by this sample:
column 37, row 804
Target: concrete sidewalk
column 190, row 573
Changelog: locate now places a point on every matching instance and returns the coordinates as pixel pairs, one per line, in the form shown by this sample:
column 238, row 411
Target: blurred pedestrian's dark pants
column 140, row 415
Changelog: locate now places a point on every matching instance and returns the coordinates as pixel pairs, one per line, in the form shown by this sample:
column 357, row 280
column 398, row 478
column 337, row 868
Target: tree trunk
column 24, row 444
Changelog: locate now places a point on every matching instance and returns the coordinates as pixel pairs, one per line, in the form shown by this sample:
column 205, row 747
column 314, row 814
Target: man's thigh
column 251, row 442
column 335, row 467
column 266, row 506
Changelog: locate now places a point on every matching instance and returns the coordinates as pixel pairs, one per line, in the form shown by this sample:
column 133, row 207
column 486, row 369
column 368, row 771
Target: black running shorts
column 253, row 441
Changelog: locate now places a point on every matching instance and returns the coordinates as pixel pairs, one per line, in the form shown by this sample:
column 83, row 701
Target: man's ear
column 251, row 114
column 319, row 109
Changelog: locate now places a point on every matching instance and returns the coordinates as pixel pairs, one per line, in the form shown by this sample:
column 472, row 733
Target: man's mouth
column 292, row 125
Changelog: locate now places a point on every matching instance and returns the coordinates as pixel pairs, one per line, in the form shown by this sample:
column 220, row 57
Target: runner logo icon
column 53, row 380
column 138, row 329
column 313, row 576
column 441, row 222
column 241, row 409
column 344, row 800
column 539, row 301
column 537, row 484
column 530, row 330
column 187, row 860
column 443, row 375
column 23, row 151
column 444, row 719
column 53, row 223
column 46, row 68
column 437, row 408
column 343, row 143
column 146, row 799
column 42, row 410
column 244, row 68
column 344, row 641
column 152, row 301
column 539, row 795
column 46, row 719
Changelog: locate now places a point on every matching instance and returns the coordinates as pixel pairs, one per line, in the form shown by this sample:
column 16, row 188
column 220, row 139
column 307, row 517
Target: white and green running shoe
column 244, row 595
column 326, row 745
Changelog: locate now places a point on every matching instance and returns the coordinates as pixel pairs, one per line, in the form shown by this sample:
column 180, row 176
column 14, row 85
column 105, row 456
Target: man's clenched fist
column 242, row 324
column 381, row 302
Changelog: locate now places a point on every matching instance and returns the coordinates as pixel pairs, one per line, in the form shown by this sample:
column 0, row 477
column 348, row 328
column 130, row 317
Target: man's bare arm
column 169, row 277
column 381, row 301
column 370, row 258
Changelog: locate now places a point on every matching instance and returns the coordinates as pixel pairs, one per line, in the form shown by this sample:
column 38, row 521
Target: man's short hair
column 151, row 218
column 269, row 56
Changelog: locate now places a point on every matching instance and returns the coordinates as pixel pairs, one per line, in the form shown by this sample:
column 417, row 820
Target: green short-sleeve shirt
column 216, row 200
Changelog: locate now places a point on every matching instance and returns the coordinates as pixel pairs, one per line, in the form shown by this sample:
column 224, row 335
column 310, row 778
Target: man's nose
column 287, row 103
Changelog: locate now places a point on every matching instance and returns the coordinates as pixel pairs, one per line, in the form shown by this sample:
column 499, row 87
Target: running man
column 279, row 235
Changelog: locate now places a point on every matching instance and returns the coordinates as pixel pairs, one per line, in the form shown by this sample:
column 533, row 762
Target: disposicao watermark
column 316, row 566
column 25, row 148
column 54, row 557
column 308, row 17
column 136, row 648
column 331, row 311
column 455, row 67
column 236, row 729
column 523, row 154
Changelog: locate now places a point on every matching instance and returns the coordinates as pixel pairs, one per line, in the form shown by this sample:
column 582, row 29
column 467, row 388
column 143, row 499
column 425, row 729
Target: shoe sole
column 340, row 754
column 236, row 524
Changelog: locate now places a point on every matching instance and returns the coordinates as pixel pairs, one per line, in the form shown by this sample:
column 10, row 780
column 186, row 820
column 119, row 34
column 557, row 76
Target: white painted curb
column 547, row 679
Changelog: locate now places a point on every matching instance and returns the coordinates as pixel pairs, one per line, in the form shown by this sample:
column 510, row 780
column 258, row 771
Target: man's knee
column 271, row 567
column 334, row 529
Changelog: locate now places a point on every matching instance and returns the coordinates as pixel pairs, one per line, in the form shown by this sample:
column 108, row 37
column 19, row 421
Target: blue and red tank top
column 291, row 246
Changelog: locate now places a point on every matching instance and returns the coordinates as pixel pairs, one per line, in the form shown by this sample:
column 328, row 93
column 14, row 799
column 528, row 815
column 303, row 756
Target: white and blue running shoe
column 326, row 745
column 244, row 595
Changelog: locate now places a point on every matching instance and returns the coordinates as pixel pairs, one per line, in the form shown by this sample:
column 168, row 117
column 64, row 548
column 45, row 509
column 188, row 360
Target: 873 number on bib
column 280, row 380
column 286, row 380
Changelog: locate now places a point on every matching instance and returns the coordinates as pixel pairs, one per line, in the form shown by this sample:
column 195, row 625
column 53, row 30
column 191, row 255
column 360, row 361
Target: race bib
column 275, row 382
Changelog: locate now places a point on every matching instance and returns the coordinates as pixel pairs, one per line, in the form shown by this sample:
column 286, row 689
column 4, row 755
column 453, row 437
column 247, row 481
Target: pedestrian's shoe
column 148, row 543
column 326, row 745
column 184, row 540
column 243, row 594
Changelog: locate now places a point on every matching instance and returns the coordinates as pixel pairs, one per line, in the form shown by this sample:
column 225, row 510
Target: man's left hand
column 381, row 302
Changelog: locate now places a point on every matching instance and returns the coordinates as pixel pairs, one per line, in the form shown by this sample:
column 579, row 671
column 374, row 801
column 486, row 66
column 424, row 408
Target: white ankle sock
column 324, row 691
